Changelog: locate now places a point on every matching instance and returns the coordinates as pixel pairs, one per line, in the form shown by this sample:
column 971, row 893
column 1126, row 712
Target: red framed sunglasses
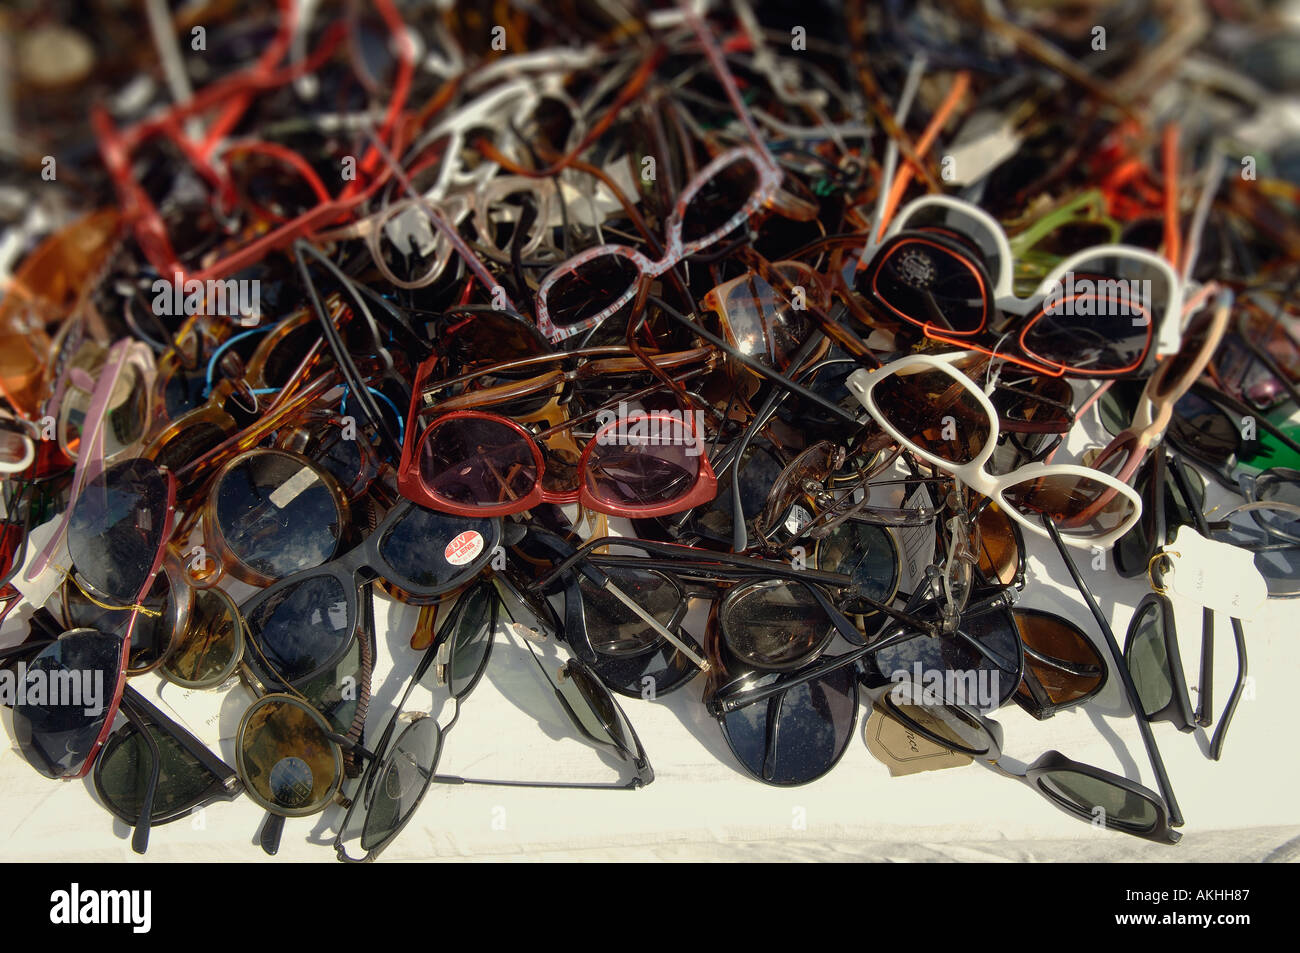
column 474, row 463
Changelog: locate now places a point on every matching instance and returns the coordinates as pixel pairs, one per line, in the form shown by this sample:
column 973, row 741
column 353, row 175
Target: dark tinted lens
column 1041, row 401
column 190, row 444
column 1205, row 430
column 302, row 626
column 428, row 550
column 612, row 627
column 953, row 671
column 401, row 782
column 590, row 288
column 717, row 206
column 287, row 353
column 927, row 282
column 471, row 641
column 644, row 461
column 123, row 770
column 477, row 461
column 152, row 636
column 207, row 650
column 1062, row 666
column 56, row 731
column 936, row 412
column 802, row 736
column 285, row 760
column 117, row 528
column 866, row 552
column 277, row 514
column 1089, row 333
column 1080, row 505
column 1148, row 659
column 1085, row 794
column 775, row 625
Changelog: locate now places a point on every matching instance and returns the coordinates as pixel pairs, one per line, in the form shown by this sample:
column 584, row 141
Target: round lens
column 866, row 552
column 286, row 761
column 400, row 783
column 775, row 625
column 427, row 552
column 278, row 513
column 207, row 650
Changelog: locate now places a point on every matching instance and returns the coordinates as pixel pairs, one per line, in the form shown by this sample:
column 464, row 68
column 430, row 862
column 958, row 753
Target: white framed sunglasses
column 942, row 416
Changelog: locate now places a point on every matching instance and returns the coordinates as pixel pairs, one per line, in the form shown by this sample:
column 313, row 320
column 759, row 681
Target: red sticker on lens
column 464, row 548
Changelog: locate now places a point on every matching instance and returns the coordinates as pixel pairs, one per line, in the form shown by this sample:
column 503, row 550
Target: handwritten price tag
column 1216, row 575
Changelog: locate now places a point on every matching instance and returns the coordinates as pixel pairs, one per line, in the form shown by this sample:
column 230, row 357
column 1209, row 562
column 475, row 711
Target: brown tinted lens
column 775, row 625
column 761, row 323
column 1043, row 402
column 1060, row 661
column 936, row 412
column 1079, row 505
column 999, row 551
column 285, row 759
column 1174, row 373
column 206, row 651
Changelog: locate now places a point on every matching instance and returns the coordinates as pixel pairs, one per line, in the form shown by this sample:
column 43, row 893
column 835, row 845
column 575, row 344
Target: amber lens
column 999, row 553
column 285, row 759
column 936, row 412
column 1080, row 506
column 206, row 652
column 1062, row 664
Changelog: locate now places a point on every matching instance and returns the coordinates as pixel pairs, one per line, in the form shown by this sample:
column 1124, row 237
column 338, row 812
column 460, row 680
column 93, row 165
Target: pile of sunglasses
column 720, row 349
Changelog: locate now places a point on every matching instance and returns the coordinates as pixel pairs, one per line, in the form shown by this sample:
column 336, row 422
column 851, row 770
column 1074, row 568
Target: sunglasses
column 938, row 413
column 303, row 624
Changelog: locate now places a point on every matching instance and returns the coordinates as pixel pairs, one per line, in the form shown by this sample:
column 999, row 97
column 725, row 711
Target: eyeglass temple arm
column 1117, row 657
column 144, row 821
column 1205, row 680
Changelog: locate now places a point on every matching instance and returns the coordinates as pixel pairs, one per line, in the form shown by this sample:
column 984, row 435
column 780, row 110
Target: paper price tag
column 1216, row 575
column 917, row 541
